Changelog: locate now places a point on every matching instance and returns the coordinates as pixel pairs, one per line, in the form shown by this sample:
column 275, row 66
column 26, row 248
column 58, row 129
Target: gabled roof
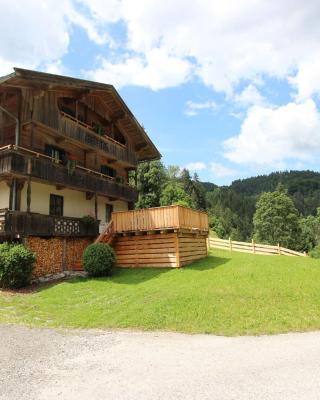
column 28, row 78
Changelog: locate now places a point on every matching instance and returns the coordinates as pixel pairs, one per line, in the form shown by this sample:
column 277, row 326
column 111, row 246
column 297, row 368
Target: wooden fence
column 255, row 248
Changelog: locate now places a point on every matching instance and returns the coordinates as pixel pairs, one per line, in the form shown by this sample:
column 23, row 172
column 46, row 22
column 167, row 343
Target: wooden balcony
column 66, row 127
column 22, row 162
column 15, row 224
column 160, row 218
column 75, row 129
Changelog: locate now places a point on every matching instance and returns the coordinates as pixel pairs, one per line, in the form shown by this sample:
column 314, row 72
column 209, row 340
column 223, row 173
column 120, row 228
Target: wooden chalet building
column 66, row 148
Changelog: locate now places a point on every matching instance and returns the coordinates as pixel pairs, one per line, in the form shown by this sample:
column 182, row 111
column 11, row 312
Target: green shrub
column 16, row 264
column 315, row 252
column 99, row 260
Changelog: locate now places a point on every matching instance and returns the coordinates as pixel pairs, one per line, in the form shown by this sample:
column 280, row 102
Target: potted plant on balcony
column 99, row 129
column 88, row 221
column 71, row 163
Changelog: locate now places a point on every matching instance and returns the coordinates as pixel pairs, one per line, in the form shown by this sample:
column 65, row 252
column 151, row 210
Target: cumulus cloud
column 156, row 70
column 227, row 41
column 249, row 96
column 193, row 108
column 274, row 135
column 221, row 171
column 166, row 43
column 39, row 33
column 196, row 166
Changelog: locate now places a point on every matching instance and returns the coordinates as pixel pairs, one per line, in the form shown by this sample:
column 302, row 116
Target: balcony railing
column 81, row 132
column 18, row 161
column 19, row 224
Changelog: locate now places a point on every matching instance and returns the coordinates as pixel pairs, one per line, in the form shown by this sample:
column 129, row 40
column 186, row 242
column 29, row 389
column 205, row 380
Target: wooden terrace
column 160, row 219
column 170, row 236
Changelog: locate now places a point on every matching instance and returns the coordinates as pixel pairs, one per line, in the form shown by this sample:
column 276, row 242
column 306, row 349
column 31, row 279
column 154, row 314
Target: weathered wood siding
column 192, row 247
column 160, row 250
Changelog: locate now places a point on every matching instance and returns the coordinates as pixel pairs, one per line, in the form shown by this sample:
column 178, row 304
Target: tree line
column 282, row 207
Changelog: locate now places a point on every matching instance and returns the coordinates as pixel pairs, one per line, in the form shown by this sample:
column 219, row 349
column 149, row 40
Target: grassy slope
column 223, row 294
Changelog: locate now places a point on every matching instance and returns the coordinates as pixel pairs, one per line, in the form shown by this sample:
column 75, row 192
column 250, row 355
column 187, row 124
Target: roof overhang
column 24, row 78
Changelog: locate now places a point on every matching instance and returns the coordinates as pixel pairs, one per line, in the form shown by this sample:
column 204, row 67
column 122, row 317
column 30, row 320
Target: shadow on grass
column 126, row 276
column 208, row 263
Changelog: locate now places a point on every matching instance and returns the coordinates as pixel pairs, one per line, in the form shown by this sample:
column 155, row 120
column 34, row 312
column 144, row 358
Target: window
column 56, row 205
column 109, row 209
column 55, row 152
column 108, row 171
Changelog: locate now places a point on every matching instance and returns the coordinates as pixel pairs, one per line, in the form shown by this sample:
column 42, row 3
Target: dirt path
column 92, row 365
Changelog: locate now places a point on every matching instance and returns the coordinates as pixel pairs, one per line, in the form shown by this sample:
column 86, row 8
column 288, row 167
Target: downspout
column 17, row 138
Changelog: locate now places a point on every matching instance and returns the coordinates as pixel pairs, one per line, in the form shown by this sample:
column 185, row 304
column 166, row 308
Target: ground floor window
column 56, row 205
column 109, row 209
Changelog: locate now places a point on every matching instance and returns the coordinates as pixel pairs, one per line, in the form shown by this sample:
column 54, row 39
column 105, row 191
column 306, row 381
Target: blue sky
column 229, row 90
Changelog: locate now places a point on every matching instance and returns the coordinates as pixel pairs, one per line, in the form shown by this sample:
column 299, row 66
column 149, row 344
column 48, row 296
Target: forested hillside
column 231, row 209
column 302, row 186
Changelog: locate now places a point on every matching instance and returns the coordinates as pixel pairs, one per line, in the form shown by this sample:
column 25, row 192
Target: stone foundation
column 56, row 255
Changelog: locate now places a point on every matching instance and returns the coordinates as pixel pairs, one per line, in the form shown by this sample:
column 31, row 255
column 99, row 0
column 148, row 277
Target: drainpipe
column 17, row 138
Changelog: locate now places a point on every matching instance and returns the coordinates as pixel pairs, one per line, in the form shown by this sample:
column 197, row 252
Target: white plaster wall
column 4, row 195
column 75, row 203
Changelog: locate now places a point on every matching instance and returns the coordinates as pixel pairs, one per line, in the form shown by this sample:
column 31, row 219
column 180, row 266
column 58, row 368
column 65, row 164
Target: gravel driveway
column 90, row 365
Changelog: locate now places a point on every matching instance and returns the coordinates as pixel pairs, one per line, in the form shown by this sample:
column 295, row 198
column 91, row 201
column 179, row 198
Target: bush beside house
column 99, row 260
column 16, row 265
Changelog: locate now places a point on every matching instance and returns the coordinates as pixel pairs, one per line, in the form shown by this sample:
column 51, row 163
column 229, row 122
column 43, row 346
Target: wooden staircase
column 107, row 236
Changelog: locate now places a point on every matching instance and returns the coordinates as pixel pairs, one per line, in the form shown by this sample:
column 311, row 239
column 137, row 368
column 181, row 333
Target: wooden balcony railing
column 18, row 161
column 18, row 224
column 81, row 132
column 171, row 217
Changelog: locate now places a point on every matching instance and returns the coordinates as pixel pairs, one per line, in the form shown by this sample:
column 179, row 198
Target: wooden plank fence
column 255, row 248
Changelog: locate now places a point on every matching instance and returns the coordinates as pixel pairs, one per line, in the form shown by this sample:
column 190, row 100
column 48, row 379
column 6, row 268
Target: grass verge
column 225, row 294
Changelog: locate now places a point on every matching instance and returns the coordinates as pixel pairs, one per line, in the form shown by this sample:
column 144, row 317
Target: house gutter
column 17, row 137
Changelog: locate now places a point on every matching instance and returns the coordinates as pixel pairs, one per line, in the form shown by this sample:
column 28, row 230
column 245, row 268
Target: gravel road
column 92, row 365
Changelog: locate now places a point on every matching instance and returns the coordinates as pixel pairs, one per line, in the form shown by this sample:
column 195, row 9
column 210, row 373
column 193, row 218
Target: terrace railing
column 160, row 218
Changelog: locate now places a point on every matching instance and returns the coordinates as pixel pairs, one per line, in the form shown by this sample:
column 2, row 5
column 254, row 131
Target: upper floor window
column 106, row 170
column 55, row 152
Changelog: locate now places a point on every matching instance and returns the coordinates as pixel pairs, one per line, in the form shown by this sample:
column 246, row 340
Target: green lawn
column 225, row 294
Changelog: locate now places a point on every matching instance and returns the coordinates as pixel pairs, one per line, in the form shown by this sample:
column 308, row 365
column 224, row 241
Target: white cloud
column 32, row 34
column 196, row 166
column 220, row 171
column 228, row 41
column 272, row 136
column 156, row 70
column 193, row 108
column 220, row 43
column 249, row 96
column 307, row 79
column 102, row 10
column 37, row 34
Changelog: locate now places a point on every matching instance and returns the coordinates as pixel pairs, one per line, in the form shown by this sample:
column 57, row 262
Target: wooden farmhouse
column 66, row 148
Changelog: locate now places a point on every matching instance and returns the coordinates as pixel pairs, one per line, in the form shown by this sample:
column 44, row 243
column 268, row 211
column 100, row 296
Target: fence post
column 279, row 249
column 230, row 243
column 253, row 246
